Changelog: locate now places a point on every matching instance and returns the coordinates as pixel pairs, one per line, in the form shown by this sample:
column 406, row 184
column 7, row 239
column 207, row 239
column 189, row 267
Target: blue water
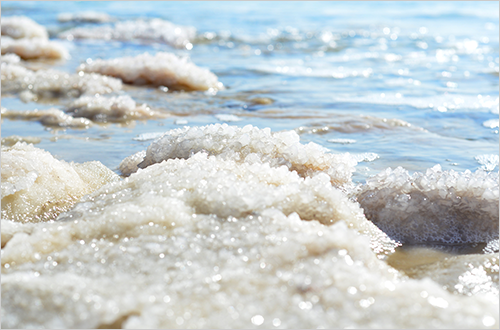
column 334, row 70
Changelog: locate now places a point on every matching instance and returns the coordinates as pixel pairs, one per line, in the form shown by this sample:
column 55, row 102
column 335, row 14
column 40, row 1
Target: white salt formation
column 154, row 30
column 33, row 48
column 212, row 243
column 436, row 206
column 85, row 16
column 37, row 187
column 48, row 117
column 26, row 38
column 53, row 84
column 162, row 69
column 111, row 109
column 249, row 145
column 11, row 58
column 19, row 27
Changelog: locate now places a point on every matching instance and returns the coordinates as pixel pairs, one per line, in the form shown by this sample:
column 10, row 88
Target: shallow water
column 410, row 84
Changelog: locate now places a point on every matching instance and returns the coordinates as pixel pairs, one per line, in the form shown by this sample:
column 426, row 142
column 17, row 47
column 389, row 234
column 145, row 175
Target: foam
column 492, row 123
column 113, row 109
column 435, row 206
column 54, row 84
column 489, row 162
column 84, row 16
column 154, row 30
column 18, row 27
column 228, row 118
column 37, row 187
column 48, row 117
column 251, row 145
column 342, row 141
column 211, row 243
column 148, row 136
column 34, row 48
column 162, row 69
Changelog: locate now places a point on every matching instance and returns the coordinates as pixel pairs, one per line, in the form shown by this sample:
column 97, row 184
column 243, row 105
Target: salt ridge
column 52, row 83
column 114, row 109
column 34, row 48
column 37, row 187
column 161, row 69
column 250, row 145
column 18, row 27
column 434, row 207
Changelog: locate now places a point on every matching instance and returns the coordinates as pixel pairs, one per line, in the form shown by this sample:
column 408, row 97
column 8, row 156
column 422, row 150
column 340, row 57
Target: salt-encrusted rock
column 250, row 145
column 18, row 27
column 162, row 69
column 111, row 109
column 154, row 30
column 85, row 16
column 37, row 187
column 48, row 117
column 435, row 206
column 53, row 83
column 33, row 48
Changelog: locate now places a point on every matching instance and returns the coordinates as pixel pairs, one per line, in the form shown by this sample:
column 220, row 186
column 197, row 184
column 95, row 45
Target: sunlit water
column 333, row 71
column 410, row 84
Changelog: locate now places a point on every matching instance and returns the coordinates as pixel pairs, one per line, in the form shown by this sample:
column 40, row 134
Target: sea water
column 340, row 168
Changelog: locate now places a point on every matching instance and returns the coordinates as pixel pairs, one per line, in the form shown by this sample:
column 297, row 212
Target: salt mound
column 114, row 109
column 249, row 145
column 33, row 48
column 85, row 16
column 11, row 58
column 436, row 206
column 18, row 27
column 48, row 117
column 37, row 187
column 162, row 69
column 211, row 243
column 154, row 30
column 54, row 84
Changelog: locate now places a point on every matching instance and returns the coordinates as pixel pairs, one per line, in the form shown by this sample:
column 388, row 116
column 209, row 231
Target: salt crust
column 37, row 187
column 249, row 145
column 162, row 69
column 52, row 83
column 48, row 117
column 111, row 109
column 221, row 244
column 154, row 30
column 33, row 48
column 18, row 27
column 436, row 206
column 11, row 58
column 85, row 16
